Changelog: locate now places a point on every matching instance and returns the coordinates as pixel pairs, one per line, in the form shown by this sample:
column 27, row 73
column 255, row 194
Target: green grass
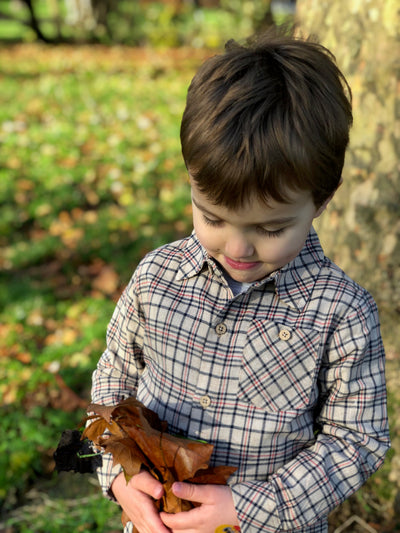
column 91, row 178
column 71, row 503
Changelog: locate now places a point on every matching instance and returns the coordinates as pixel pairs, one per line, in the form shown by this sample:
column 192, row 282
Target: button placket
column 204, row 400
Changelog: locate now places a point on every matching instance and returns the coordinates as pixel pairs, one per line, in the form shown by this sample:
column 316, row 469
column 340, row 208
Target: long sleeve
column 351, row 442
column 118, row 370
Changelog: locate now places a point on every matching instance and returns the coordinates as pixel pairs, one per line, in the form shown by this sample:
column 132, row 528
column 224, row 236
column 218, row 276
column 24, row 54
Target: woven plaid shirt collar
column 293, row 283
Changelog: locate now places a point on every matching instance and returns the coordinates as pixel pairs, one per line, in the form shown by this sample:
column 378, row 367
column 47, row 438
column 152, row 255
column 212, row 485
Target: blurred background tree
column 361, row 230
column 164, row 22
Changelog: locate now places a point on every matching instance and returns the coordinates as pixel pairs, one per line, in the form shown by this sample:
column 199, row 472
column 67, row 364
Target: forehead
column 255, row 210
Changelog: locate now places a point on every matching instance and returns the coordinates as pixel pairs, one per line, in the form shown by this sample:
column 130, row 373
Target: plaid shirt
column 285, row 379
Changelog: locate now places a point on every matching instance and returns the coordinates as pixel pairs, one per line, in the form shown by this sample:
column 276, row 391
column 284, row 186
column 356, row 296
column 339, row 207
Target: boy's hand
column 136, row 499
column 216, row 509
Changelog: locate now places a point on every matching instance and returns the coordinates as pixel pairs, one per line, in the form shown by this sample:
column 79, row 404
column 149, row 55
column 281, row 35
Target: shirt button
column 284, row 334
column 205, row 401
column 220, row 328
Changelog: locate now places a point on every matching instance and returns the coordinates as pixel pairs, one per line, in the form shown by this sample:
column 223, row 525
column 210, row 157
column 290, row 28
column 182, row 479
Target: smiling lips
column 241, row 265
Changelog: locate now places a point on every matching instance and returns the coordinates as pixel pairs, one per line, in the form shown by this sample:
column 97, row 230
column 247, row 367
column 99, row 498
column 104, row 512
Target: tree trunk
column 34, row 22
column 361, row 229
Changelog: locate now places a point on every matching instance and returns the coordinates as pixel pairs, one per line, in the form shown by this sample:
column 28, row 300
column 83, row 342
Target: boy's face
column 256, row 239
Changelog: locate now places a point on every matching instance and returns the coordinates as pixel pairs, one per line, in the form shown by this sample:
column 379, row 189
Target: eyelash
column 260, row 230
column 211, row 222
column 268, row 233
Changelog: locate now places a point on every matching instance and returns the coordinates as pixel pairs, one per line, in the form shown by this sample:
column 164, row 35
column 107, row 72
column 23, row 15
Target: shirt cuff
column 106, row 475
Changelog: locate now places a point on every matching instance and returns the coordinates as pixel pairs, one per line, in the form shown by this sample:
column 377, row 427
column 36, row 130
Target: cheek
column 283, row 250
column 295, row 243
column 207, row 237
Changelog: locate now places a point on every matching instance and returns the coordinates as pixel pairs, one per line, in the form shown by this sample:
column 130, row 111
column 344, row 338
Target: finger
column 192, row 492
column 148, row 520
column 146, row 483
column 185, row 520
column 138, row 504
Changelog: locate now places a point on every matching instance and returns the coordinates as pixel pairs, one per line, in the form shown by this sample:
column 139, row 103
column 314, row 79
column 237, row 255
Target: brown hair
column 270, row 116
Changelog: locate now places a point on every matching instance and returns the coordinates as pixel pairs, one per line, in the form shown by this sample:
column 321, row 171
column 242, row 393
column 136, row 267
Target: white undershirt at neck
column 236, row 287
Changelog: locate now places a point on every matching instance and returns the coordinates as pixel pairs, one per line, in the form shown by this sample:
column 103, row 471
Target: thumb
column 190, row 492
column 146, row 483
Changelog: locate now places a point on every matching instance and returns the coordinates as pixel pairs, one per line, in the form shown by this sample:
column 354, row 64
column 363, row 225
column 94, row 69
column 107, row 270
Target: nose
column 238, row 246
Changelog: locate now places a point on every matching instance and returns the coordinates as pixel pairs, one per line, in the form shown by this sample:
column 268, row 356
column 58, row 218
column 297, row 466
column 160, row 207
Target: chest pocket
column 279, row 367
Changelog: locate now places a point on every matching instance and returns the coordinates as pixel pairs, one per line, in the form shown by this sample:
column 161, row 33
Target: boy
column 244, row 334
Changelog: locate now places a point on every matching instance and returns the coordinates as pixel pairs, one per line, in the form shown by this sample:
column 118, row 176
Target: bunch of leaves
column 138, row 439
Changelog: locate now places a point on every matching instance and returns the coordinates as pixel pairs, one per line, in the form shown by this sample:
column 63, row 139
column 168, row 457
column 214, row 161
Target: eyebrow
column 276, row 221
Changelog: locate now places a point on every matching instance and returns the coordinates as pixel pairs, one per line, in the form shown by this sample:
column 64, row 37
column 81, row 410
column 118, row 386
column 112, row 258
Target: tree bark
column 361, row 229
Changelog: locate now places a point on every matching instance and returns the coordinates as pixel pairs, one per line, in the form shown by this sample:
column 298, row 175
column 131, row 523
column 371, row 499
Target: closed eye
column 260, row 230
column 269, row 233
column 212, row 222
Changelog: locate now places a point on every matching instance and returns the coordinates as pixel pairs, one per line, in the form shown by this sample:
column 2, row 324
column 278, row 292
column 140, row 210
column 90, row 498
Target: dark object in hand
column 74, row 454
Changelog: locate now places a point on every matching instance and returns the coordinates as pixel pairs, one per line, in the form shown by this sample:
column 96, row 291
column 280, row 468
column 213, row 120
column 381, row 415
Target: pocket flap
column 279, row 367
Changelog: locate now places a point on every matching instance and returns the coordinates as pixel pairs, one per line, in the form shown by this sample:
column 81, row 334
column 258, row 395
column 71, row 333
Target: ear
column 322, row 208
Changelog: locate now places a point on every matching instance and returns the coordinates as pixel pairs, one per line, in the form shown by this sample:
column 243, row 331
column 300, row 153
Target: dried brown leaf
column 217, row 475
column 132, row 412
column 95, row 429
column 183, row 457
column 105, row 411
column 137, row 438
column 98, row 427
column 125, row 453
column 169, row 502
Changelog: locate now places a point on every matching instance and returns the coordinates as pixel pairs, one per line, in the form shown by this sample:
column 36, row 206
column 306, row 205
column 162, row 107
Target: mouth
column 241, row 265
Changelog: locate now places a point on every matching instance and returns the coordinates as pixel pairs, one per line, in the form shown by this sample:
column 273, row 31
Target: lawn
column 91, row 178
